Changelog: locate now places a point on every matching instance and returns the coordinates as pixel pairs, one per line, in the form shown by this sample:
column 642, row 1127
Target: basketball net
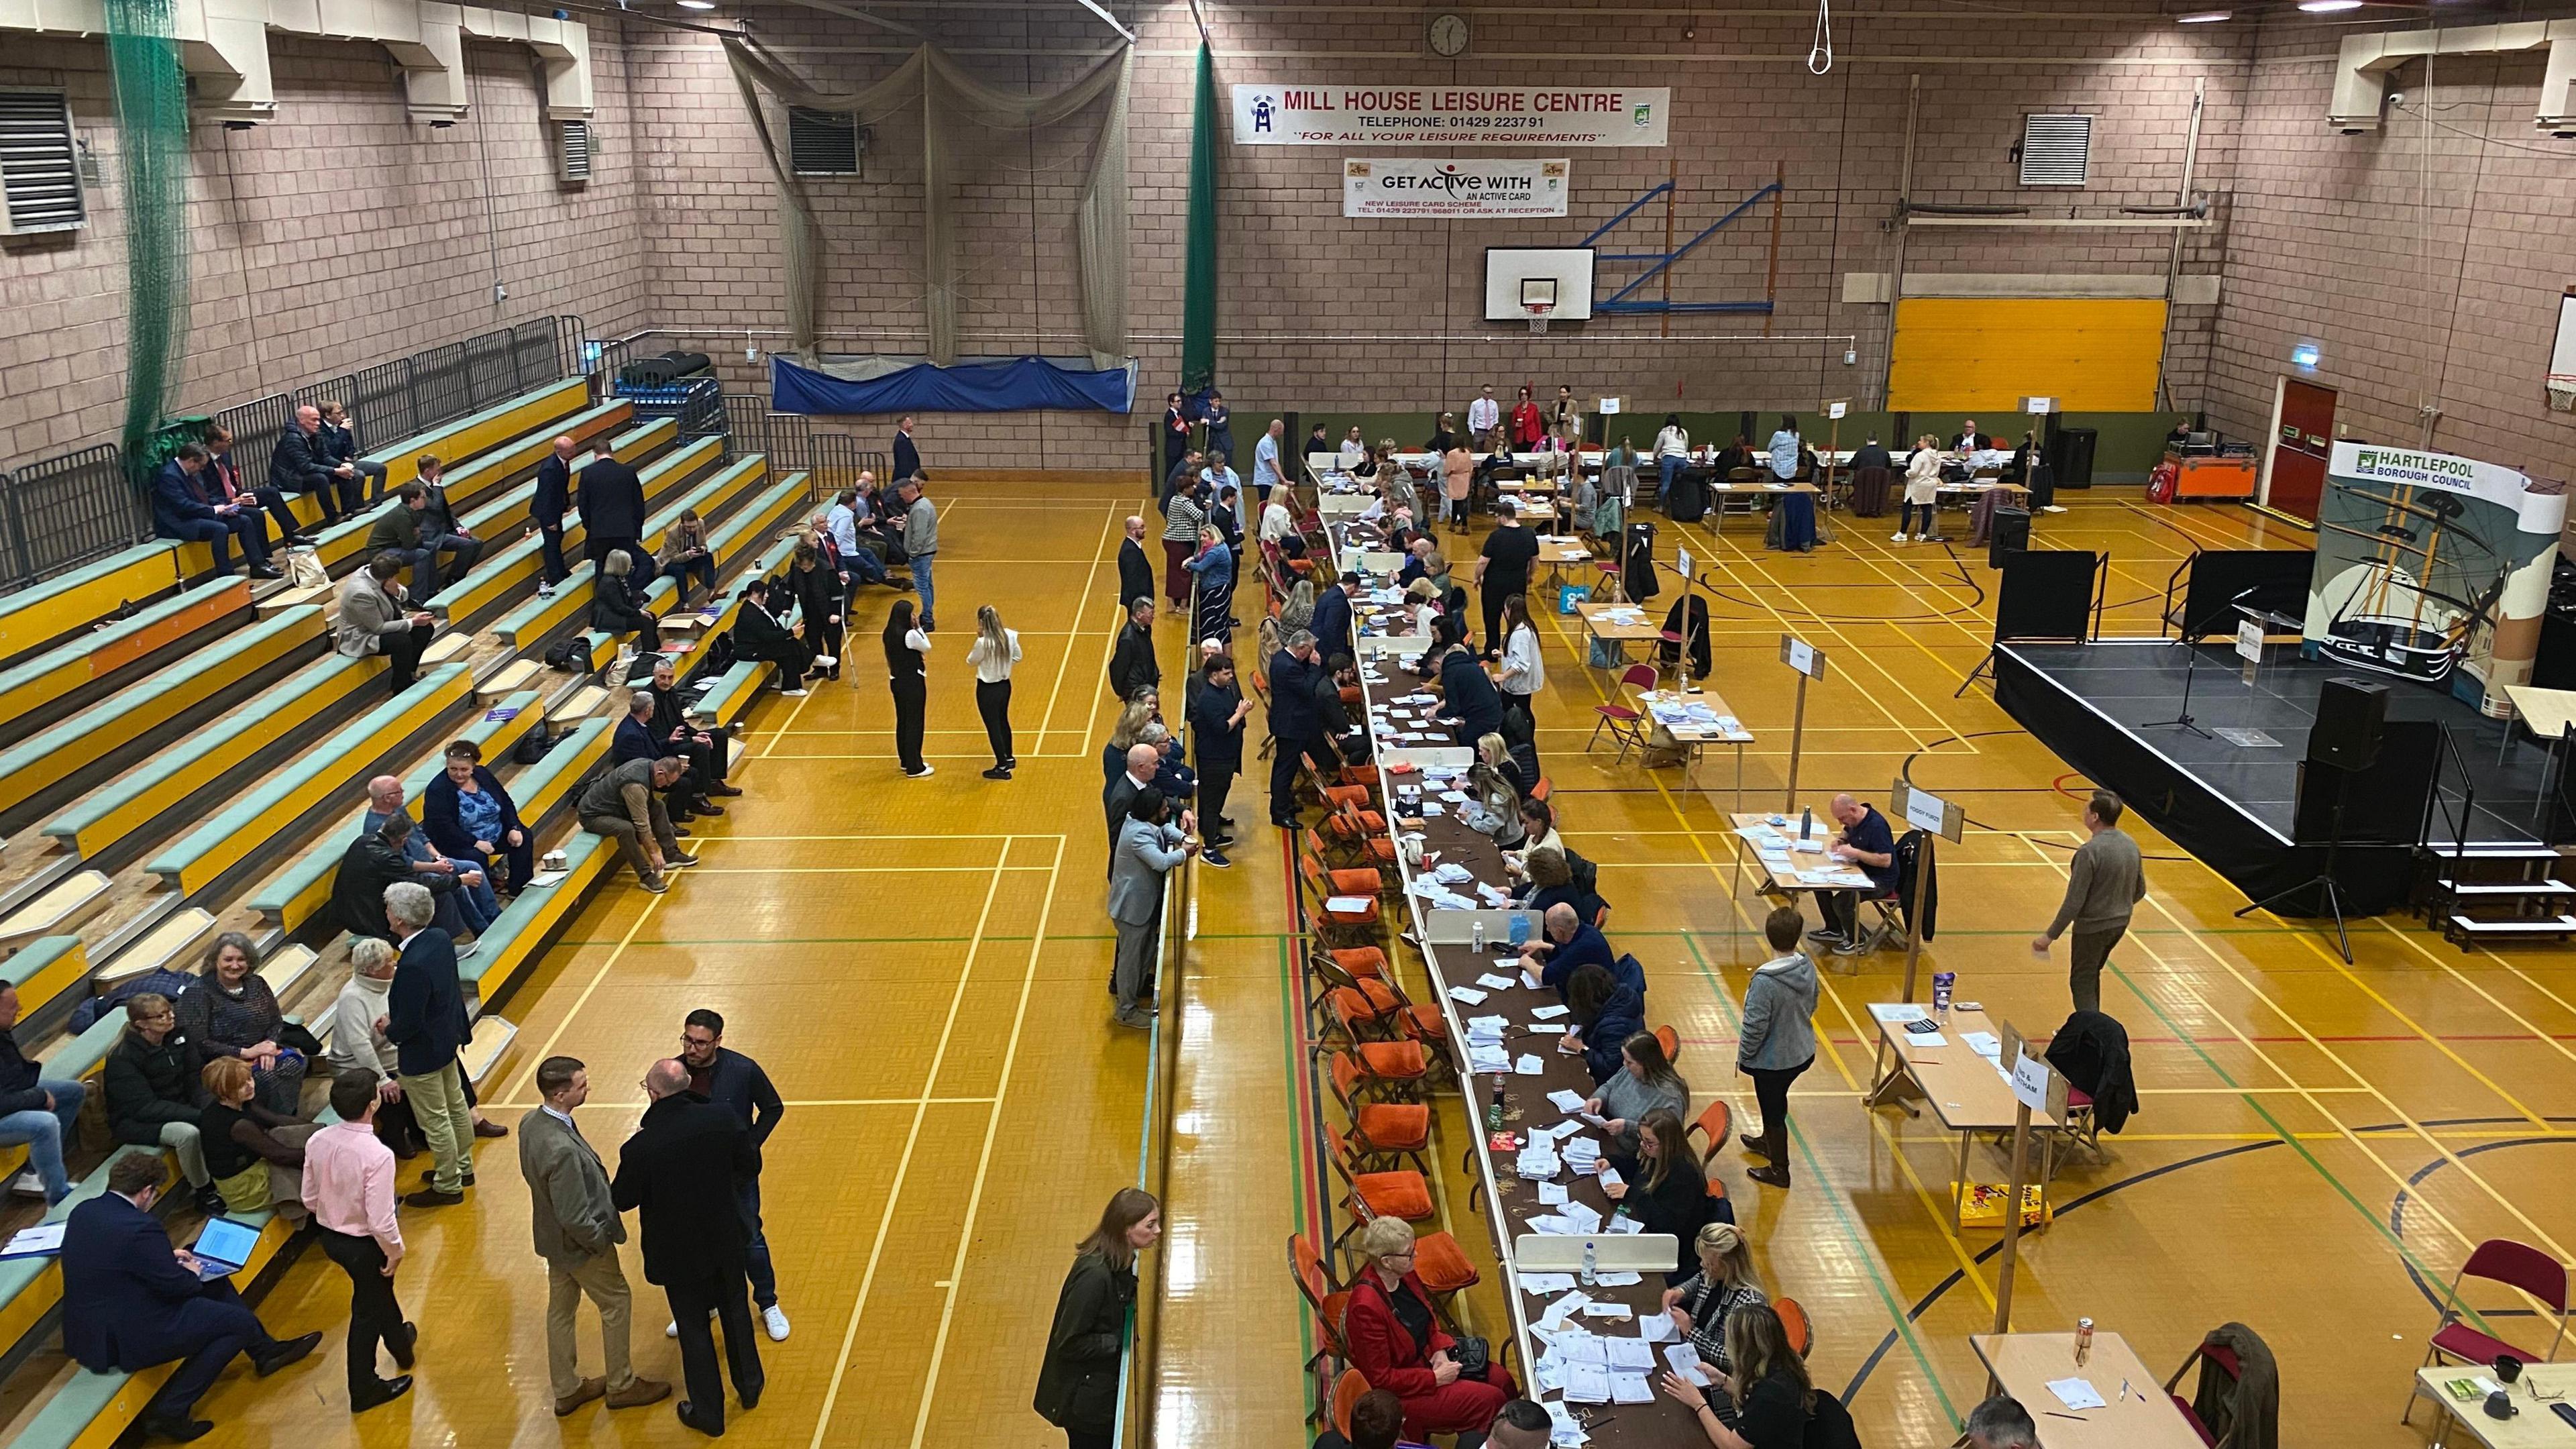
column 1538, row 320
column 2562, row 392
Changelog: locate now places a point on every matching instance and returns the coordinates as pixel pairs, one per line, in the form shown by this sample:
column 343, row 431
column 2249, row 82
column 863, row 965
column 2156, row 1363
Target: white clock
column 1448, row 35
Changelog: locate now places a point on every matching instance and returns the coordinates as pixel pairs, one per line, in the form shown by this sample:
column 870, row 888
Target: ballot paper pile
column 1805, row 861
column 1589, row 1356
column 1692, row 718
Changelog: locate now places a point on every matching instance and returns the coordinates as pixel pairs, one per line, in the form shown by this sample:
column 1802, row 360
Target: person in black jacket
column 373, row 861
column 818, row 595
column 636, row 739
column 612, row 509
column 736, row 1083
column 907, row 458
column 615, row 605
column 1332, row 622
column 1078, row 1376
column 185, row 506
column 469, row 816
column 37, row 1111
column 1292, row 722
column 757, row 634
column 1132, row 665
column 706, row 748
column 552, row 500
column 359, row 477
column 682, row 1174
column 1469, row 697
column 155, row 1089
column 301, row 463
column 1665, row 1191
column 1217, row 710
column 425, row 1020
column 1135, row 571
column 228, row 483
column 440, row 528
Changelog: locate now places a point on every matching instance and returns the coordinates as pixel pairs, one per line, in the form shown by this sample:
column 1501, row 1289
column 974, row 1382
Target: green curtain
column 152, row 146
column 1198, row 302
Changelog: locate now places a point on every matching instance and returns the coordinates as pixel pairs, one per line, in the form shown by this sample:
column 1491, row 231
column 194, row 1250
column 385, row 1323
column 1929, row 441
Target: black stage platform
column 2236, row 805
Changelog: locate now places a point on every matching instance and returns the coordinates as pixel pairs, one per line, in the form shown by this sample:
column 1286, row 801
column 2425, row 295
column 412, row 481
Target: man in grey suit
column 1148, row 847
column 577, row 1233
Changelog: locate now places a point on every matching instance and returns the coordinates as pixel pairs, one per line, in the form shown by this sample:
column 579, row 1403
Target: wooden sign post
column 1835, row 411
column 1937, row 819
column 1685, row 566
column 2036, row 1087
column 1809, row 661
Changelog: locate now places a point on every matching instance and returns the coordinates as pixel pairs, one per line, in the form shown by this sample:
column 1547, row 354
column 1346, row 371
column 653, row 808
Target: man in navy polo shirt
column 1866, row 842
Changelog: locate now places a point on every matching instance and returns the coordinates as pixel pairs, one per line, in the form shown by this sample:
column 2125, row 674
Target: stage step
column 2505, row 889
column 2532, row 853
column 2465, row 929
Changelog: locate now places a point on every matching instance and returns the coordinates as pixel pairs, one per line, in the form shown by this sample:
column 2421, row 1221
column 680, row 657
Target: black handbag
column 295, row 1036
column 1474, row 1356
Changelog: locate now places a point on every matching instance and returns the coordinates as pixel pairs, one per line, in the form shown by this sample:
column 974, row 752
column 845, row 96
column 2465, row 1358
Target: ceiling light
column 711, row 4
column 2204, row 17
column 2328, row 7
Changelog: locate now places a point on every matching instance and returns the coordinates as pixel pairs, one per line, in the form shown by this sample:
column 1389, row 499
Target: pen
column 2052, row 1413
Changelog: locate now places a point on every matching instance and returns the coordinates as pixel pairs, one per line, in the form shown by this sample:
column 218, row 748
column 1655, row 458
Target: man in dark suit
column 1293, row 671
column 612, row 503
column 683, row 1173
column 1135, row 571
column 637, row 739
column 183, row 509
column 1132, row 666
column 737, row 1084
column 707, row 748
column 302, row 463
column 1968, row 439
column 1331, row 625
column 907, row 458
column 425, row 1020
column 1143, row 761
column 553, row 499
column 228, row 484
column 131, row 1301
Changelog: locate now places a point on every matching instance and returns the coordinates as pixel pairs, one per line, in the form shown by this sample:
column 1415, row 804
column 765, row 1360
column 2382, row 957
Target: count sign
column 1802, row 656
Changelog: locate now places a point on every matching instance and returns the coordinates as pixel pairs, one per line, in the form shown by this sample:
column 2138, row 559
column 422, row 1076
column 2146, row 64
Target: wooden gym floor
column 921, row 967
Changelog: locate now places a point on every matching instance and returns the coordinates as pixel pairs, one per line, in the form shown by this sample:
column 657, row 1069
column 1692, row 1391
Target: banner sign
column 2369, row 463
column 1331, row 115
column 1418, row 186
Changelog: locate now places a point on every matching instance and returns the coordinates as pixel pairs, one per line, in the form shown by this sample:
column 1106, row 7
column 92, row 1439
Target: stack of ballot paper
column 1582, row 1154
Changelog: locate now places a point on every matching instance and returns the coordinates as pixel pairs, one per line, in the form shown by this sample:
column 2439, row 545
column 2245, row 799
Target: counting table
column 1965, row 1090
column 2135, row 1412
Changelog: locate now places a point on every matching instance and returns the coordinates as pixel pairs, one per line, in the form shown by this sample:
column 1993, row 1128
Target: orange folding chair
column 1346, row 1393
column 1671, row 1041
column 1793, row 1320
column 1381, row 1132
column 1715, row 1122
column 1325, row 1299
column 1356, row 924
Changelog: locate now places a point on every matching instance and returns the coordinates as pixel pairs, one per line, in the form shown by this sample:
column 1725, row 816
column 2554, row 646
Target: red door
column 2300, row 449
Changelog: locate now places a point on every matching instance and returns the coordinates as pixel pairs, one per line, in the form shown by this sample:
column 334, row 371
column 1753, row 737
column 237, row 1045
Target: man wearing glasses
column 736, row 1083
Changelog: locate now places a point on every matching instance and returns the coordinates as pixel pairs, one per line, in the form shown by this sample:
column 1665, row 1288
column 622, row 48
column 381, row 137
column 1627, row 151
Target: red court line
column 2222, row 1040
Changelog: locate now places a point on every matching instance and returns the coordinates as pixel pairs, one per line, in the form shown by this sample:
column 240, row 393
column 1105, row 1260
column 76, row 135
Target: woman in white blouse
column 1922, row 489
column 1672, row 451
column 1523, row 672
column 1353, row 452
column 993, row 653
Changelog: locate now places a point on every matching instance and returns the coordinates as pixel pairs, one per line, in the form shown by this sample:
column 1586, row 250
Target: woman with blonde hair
column 1299, row 611
column 1495, row 782
column 1457, row 476
column 615, row 606
column 1922, row 489
column 1701, row 1303
column 1078, row 1376
column 1396, row 1341
column 1129, row 732
column 1766, row 1400
column 992, row 654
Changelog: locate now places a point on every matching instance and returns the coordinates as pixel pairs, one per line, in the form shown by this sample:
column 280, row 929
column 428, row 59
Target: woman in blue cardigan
column 470, row 817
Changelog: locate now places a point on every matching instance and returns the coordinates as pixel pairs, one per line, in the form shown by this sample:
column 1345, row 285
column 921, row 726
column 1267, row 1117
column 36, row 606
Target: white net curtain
column 948, row 103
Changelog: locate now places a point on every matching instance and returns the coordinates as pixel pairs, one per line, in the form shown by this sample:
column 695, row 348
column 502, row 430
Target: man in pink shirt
column 349, row 1187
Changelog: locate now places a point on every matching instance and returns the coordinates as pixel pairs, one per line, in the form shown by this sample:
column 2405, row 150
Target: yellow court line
column 983, row 1161
column 1064, row 660
column 2178, row 981
column 640, row 1104
column 2428, row 954
column 646, row 914
column 903, row 1162
column 859, row 870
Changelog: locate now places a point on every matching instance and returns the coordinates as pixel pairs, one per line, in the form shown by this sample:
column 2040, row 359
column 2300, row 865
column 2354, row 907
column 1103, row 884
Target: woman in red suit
column 1528, row 427
column 1397, row 1343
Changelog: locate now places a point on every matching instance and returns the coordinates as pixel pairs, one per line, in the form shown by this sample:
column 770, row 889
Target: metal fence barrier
column 58, row 513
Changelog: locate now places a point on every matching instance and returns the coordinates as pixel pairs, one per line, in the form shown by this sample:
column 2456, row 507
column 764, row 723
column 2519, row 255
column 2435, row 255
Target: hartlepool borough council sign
column 1421, row 186
column 1326, row 115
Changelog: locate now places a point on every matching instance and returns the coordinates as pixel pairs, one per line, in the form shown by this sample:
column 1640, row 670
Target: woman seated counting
column 155, row 1088
column 1663, row 1189
column 1645, row 1083
column 1765, row 1400
column 1397, row 1344
column 242, row 1140
column 1607, row 1012
column 469, row 816
column 1552, row 882
column 230, row 1012
column 1701, row 1303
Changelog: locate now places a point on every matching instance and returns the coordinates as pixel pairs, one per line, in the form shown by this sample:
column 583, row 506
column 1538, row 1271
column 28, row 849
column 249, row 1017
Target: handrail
column 2181, row 626
column 2449, row 754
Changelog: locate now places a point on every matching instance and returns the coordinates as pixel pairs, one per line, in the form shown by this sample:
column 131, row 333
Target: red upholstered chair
column 1624, row 721
column 2516, row 1265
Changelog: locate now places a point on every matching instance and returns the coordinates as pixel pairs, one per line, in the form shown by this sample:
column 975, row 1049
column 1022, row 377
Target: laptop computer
column 223, row 1247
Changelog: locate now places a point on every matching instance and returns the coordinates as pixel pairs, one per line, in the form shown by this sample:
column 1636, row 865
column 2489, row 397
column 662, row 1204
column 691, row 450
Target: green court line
column 1289, row 1012
column 1861, row 1247
column 2377, row 1223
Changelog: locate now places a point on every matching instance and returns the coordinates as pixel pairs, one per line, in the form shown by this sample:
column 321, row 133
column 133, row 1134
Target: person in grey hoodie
column 1778, row 1040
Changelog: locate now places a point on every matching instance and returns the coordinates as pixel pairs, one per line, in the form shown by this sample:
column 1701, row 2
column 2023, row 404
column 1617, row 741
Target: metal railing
column 67, row 510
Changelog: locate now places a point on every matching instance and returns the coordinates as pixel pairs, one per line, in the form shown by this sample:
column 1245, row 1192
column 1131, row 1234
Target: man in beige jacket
column 577, row 1233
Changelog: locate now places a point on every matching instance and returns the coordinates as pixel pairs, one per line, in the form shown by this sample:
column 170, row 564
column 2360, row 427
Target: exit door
column 2302, row 439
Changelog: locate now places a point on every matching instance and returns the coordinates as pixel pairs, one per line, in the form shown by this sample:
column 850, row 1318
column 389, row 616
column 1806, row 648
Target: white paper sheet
column 1548, row 1013
column 1631, row 1353
column 1631, row 1389
column 2076, row 1394
column 1529, row 1066
column 1551, row 1194
column 1683, row 1360
column 1587, row 1384
column 1565, row 1100
column 1467, row 994
column 1658, row 1328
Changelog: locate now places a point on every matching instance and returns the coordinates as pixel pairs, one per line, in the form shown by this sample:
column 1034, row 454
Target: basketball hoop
column 2562, row 392
column 1538, row 323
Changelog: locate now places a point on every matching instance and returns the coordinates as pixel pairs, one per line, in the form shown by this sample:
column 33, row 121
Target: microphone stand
column 2182, row 719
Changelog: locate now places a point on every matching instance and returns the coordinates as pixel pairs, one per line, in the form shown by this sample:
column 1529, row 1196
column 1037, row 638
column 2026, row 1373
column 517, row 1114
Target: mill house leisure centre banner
column 1331, row 115
column 1421, row 186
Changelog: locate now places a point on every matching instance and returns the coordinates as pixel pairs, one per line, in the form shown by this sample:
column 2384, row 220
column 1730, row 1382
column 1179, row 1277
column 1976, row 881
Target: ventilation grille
column 39, row 165
column 822, row 143
column 572, row 150
column 2056, row 150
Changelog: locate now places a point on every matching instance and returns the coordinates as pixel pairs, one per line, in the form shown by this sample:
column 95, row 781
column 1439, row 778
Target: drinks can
column 1942, row 984
column 2083, row 1340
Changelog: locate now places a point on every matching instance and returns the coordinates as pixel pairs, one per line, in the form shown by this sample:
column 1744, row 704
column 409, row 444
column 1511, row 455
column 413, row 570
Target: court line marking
column 861, row 869
column 903, row 1163
column 1064, row 658
column 2454, row 972
column 640, row 1104
column 530, row 1072
column 983, row 1164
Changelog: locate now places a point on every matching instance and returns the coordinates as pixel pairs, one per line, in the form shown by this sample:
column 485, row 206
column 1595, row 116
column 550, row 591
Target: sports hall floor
column 920, row 965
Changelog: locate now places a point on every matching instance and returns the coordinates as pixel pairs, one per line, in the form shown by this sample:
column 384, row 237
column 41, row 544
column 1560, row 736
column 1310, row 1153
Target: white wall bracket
column 2361, row 70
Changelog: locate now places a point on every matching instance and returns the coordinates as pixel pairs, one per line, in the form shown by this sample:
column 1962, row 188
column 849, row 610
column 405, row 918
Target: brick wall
column 2425, row 260
column 341, row 235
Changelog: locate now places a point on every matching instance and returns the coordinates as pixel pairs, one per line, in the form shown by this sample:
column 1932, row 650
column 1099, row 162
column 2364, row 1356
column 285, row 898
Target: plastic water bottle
column 1944, row 983
column 1494, row 1108
column 1591, row 1274
column 1477, row 935
column 1807, row 823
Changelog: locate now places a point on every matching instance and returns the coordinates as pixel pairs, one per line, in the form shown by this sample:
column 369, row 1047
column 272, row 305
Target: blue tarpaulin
column 996, row 385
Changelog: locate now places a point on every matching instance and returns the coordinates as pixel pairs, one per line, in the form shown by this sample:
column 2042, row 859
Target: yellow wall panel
column 1980, row 355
